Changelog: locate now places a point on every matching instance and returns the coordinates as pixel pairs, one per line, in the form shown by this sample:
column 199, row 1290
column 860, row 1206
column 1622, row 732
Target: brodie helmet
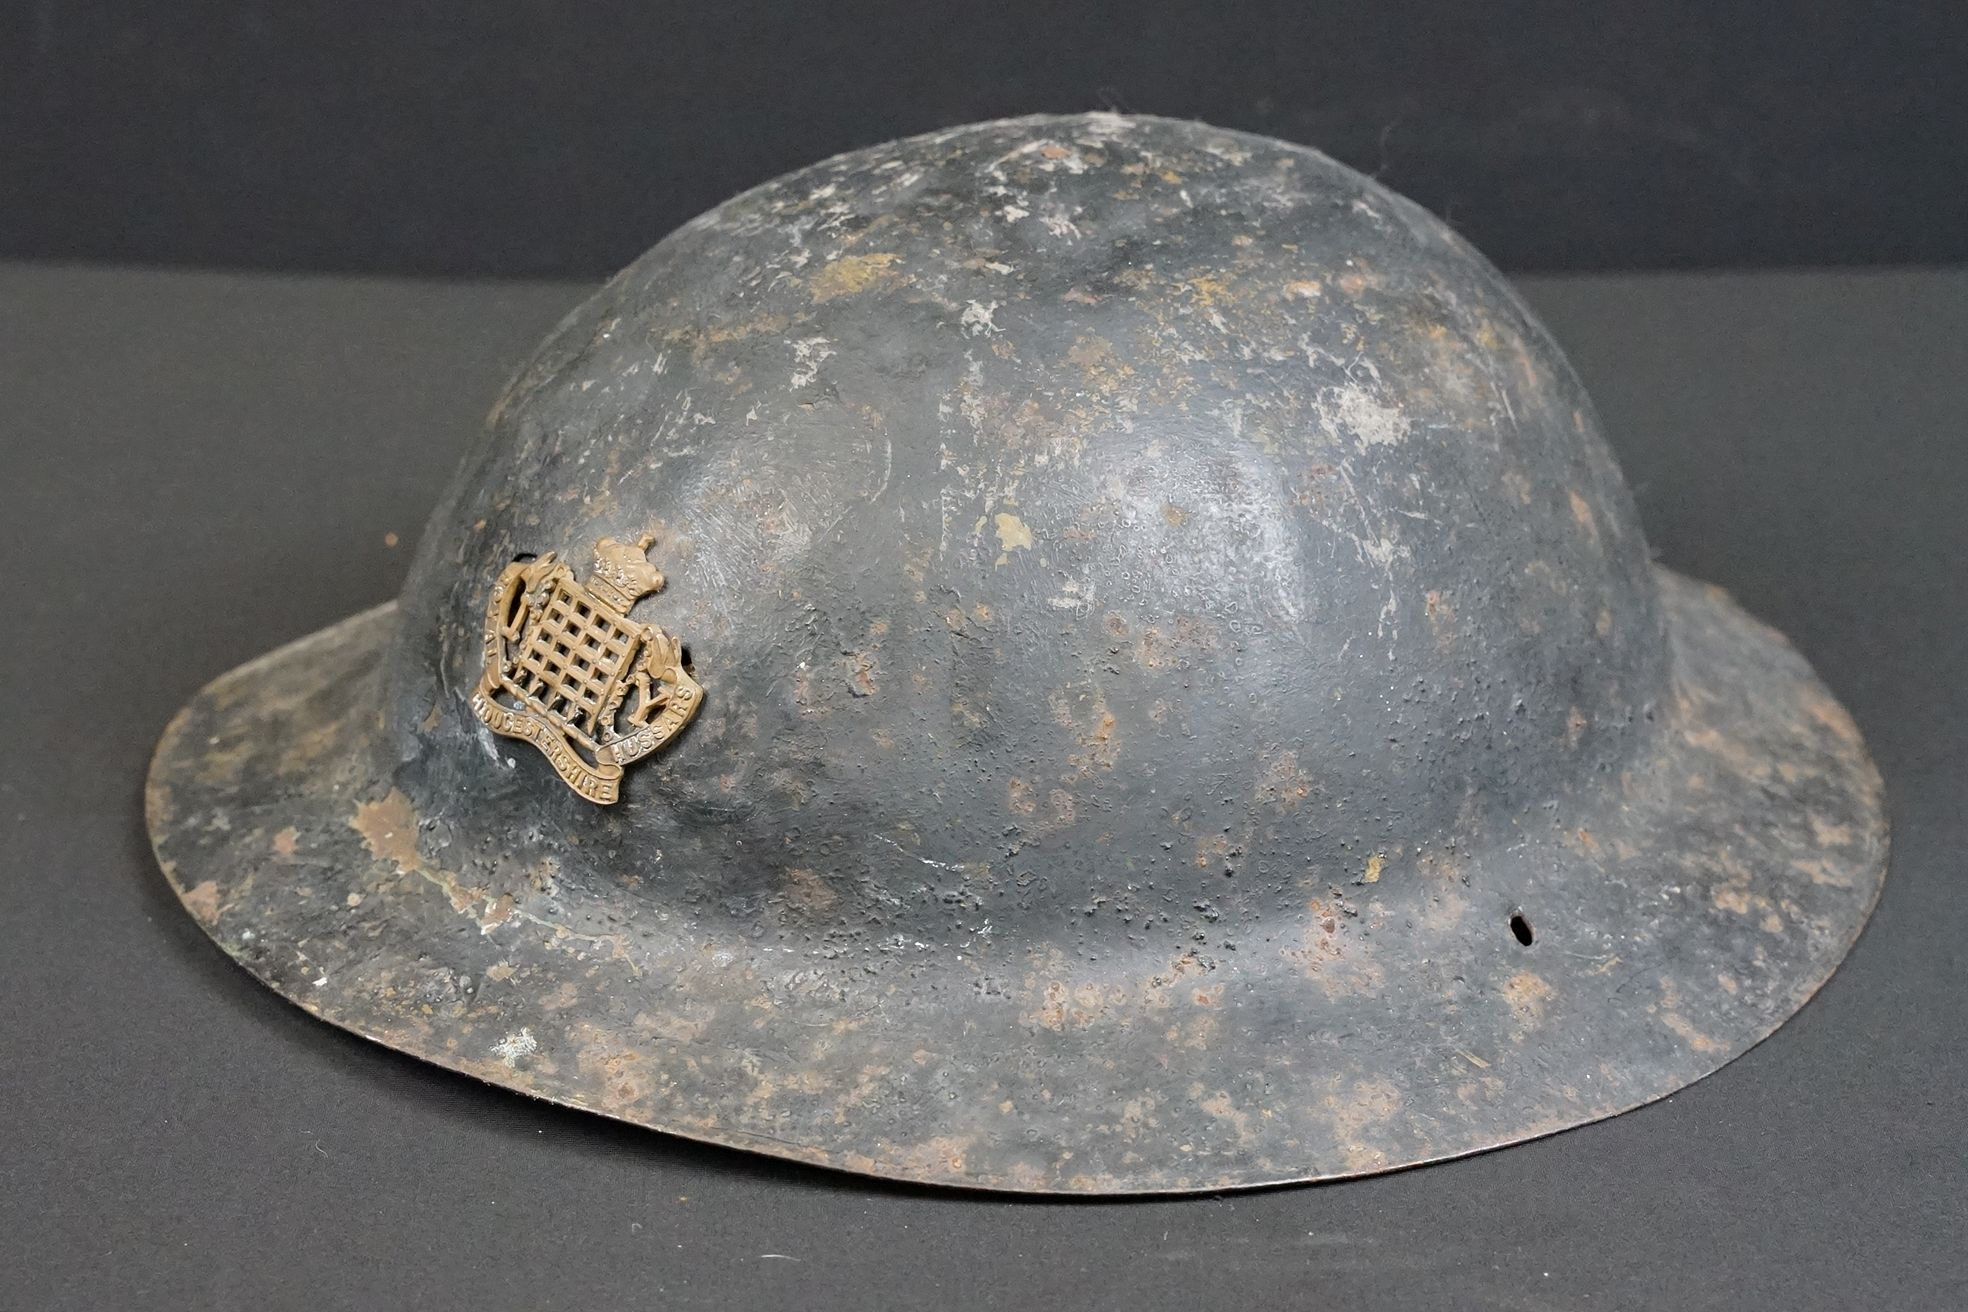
column 1084, row 655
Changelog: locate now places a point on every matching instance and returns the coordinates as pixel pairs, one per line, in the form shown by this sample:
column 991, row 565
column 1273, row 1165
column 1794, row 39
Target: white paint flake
column 1367, row 417
column 976, row 318
column 516, row 1046
column 808, row 352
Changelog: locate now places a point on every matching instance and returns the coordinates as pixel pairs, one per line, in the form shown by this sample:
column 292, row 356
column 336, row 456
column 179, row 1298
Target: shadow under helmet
column 1085, row 655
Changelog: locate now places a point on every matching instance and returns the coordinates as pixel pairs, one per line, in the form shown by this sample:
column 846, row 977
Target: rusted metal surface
column 1193, row 707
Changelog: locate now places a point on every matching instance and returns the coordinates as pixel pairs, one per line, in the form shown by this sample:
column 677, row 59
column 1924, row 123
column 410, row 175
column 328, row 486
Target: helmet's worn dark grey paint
column 1186, row 704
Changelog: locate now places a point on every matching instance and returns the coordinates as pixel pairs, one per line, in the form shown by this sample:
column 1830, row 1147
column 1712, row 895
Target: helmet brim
column 1706, row 894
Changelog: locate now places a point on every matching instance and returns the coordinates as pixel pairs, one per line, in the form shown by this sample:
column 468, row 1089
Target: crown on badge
column 622, row 574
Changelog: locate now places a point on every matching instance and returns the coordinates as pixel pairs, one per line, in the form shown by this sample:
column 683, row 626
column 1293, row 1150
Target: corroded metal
column 562, row 661
column 1193, row 705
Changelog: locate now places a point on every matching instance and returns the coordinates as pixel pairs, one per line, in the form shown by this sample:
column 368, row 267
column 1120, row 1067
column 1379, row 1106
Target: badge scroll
column 567, row 670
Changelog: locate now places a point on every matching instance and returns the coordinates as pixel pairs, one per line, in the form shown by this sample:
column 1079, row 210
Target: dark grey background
column 512, row 137
column 198, row 467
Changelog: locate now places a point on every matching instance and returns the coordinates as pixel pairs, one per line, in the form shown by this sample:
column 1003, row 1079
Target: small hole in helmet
column 1520, row 928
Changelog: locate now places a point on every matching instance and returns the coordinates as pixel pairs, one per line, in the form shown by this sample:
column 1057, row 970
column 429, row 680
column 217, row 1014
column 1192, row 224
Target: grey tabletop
column 198, row 467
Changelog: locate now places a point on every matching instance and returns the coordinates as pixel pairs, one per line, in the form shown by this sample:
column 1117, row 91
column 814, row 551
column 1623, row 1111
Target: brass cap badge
column 562, row 658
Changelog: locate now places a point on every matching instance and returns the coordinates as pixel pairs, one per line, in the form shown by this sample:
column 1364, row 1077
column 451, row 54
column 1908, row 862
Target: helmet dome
column 1098, row 526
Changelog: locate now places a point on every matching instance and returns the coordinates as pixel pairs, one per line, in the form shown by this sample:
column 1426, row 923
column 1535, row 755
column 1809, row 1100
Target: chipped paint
column 1013, row 535
column 389, row 829
column 202, row 901
column 852, row 275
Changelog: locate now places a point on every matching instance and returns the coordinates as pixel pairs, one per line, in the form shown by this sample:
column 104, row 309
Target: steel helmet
column 1079, row 654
